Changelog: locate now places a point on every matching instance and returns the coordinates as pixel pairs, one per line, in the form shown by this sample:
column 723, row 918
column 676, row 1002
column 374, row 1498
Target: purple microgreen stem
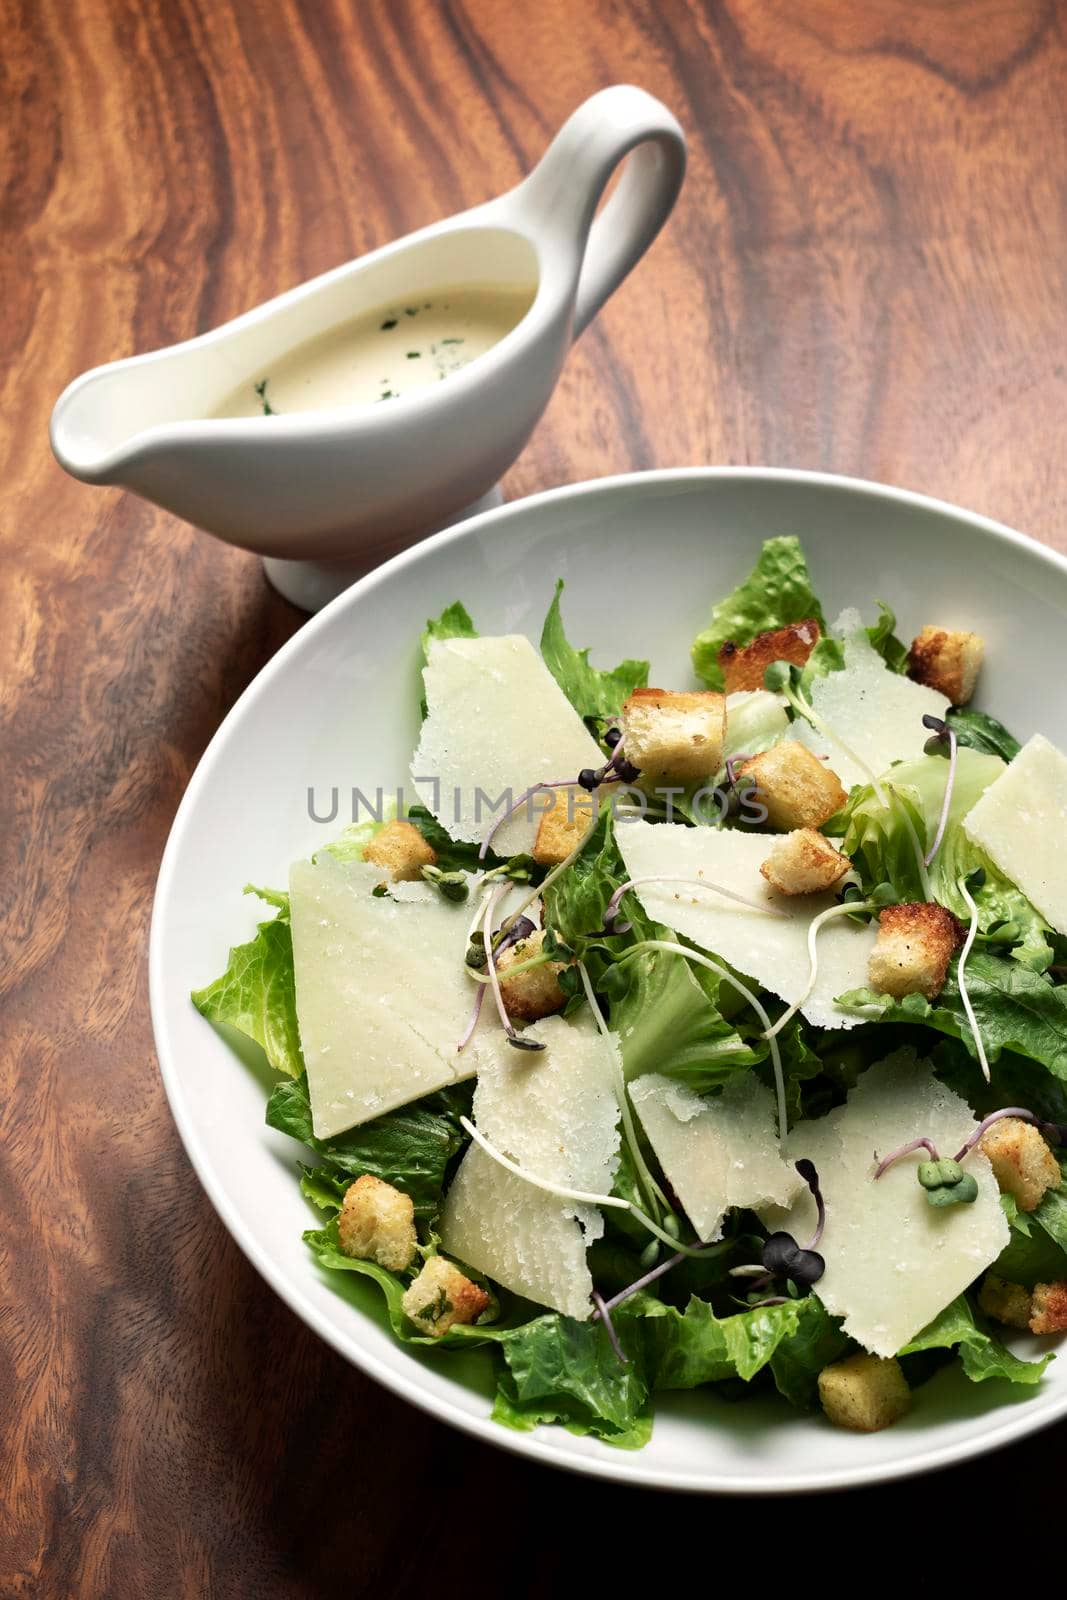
column 524, row 798
column 732, row 762
column 997, row 1116
column 906, row 1150
column 476, row 1011
column 494, row 979
column 605, row 1317
column 943, row 730
column 658, row 1272
column 807, row 1171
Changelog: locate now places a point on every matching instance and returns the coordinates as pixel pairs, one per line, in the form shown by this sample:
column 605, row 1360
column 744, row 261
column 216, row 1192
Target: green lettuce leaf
column 880, row 844
column 981, row 1355
column 1017, row 1011
column 410, row 1147
column 692, row 1347
column 776, row 592
column 669, row 1014
column 257, row 993
column 883, row 636
column 979, row 731
column 453, row 623
column 559, row 1370
column 592, row 693
column 801, row 1356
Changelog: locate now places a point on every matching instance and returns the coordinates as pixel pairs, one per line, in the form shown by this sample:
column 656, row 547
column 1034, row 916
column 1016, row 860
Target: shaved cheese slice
column 382, row 998
column 878, row 713
column 773, row 950
column 718, row 1151
column 556, row 1115
column 893, row 1261
column 755, row 719
column 497, row 723
column 1021, row 823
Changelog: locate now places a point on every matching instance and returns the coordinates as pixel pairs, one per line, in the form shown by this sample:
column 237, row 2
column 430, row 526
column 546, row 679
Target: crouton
column 564, row 825
column 914, row 946
column 797, row 789
column 401, row 848
column 1048, row 1312
column 377, row 1223
column 947, row 661
column 743, row 666
column 536, row 992
column 1022, row 1162
column 1005, row 1302
column 864, row 1393
column 441, row 1296
column 668, row 734
column 803, row 862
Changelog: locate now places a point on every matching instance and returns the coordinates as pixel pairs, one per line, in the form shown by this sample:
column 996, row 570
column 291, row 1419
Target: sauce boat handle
column 565, row 187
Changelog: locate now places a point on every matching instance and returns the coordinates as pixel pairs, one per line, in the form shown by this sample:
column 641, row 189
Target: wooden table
column 865, row 273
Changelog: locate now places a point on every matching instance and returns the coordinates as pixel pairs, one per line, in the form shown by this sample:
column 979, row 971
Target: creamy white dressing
column 385, row 354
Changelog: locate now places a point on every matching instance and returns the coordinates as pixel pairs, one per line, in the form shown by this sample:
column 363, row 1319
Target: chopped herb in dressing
column 390, row 322
column 261, row 394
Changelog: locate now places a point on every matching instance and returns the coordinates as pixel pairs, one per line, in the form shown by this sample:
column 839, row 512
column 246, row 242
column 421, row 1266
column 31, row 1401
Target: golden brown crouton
column 1005, row 1302
column 864, row 1393
column 803, row 862
column 1022, row 1162
column 947, row 661
column 1048, row 1312
column 797, row 789
column 564, row 825
column 377, row 1223
column 914, row 946
column 743, row 666
column 400, row 847
column 669, row 734
column 441, row 1296
column 536, row 992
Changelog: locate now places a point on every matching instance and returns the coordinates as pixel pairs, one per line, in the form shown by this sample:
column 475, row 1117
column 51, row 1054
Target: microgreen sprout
column 943, row 1178
column 964, row 885
column 451, row 885
column 782, row 1258
column 732, row 764
column 845, row 908
column 943, row 734
column 605, row 1316
column 476, row 1011
column 611, row 1201
column 524, row 798
column 513, row 1036
column 611, row 911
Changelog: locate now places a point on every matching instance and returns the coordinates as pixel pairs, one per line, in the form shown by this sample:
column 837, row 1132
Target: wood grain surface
column 867, row 272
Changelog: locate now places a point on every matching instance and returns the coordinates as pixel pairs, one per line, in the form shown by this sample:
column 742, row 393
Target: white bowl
column 644, row 558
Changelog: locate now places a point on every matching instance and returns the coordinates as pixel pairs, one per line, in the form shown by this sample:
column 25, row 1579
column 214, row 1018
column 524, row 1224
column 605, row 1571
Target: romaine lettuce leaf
column 880, row 844
column 777, row 591
column 559, row 1370
column 979, row 731
column 410, row 1147
column 592, row 693
column 691, row 1347
column 1017, row 1011
column 257, row 993
column 453, row 623
column 981, row 1355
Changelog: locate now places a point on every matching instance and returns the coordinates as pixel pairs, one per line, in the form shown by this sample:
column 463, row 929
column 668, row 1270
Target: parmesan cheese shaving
column 772, row 950
column 556, row 1115
column 497, row 723
column 717, row 1151
column 381, row 993
column 875, row 712
column 1021, row 823
column 893, row 1261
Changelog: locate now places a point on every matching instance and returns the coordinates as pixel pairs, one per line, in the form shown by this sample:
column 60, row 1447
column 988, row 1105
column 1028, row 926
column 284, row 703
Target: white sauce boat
column 321, row 495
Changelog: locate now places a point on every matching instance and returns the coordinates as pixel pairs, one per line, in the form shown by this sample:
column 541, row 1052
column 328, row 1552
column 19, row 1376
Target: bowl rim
column 626, row 1469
